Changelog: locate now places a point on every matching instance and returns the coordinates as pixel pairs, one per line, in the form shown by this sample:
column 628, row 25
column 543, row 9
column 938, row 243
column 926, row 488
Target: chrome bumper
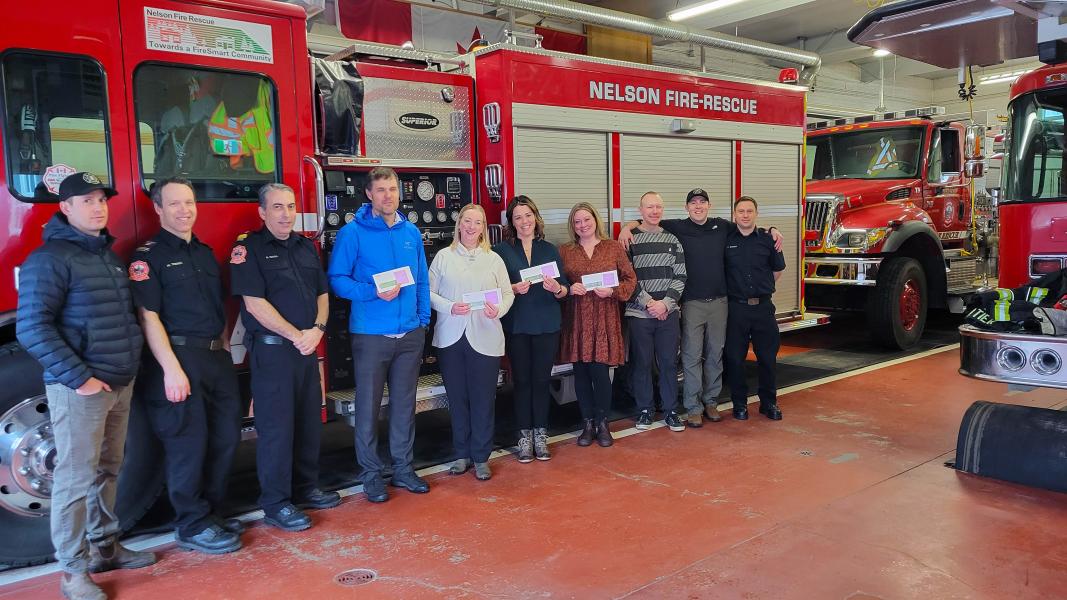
column 1015, row 358
column 841, row 270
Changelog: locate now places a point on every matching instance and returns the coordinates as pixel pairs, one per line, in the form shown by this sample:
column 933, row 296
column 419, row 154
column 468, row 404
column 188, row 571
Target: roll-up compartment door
column 558, row 169
column 770, row 173
column 673, row 166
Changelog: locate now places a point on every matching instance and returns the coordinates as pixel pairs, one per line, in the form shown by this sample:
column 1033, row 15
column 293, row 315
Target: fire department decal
column 202, row 35
column 55, row 174
column 237, row 255
column 139, row 271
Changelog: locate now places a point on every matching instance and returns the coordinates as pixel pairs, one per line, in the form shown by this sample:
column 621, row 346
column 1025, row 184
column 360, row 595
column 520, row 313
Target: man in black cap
column 188, row 384
column 704, row 304
column 285, row 303
column 75, row 317
column 752, row 266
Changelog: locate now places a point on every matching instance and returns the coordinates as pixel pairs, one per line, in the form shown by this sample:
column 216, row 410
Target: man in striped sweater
column 653, row 313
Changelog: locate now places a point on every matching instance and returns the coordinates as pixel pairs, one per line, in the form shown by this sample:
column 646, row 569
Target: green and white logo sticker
column 202, row 35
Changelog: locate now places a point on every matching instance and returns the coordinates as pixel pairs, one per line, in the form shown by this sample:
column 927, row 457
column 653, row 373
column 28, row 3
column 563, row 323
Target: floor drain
column 355, row 577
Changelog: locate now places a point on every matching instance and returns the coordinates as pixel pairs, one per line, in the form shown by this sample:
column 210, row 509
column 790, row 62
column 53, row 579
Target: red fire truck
column 889, row 218
column 227, row 94
column 1032, row 210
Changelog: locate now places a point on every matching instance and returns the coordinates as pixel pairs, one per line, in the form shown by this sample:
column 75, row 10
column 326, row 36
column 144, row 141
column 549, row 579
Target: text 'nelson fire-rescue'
column 639, row 94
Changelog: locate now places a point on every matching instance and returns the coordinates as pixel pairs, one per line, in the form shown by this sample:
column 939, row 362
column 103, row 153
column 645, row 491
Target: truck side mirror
column 972, row 145
column 974, row 168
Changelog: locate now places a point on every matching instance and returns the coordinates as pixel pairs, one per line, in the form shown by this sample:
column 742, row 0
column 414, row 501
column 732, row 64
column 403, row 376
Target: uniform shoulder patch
column 238, row 254
column 139, row 271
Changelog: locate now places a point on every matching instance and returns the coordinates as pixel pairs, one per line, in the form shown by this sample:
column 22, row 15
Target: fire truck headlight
column 858, row 240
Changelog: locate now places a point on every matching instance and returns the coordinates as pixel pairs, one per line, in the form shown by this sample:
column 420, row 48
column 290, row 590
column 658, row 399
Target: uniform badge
column 238, row 255
column 139, row 271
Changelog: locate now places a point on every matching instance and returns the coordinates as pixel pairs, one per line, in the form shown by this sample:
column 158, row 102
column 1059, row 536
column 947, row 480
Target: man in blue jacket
column 75, row 317
column 388, row 326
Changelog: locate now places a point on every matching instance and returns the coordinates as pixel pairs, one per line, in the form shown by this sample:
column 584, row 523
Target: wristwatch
column 321, row 327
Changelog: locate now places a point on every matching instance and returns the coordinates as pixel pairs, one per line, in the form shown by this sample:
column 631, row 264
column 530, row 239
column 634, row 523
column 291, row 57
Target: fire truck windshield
column 1035, row 163
column 889, row 153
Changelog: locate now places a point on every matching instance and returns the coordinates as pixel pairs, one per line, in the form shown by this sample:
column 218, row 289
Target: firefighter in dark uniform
column 285, row 302
column 752, row 267
column 190, row 389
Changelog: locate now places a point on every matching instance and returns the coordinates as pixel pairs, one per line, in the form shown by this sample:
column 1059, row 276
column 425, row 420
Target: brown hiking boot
column 113, row 555
column 711, row 413
column 694, row 420
column 79, row 586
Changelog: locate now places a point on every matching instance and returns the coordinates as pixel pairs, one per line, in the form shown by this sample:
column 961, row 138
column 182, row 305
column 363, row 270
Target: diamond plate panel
column 385, row 101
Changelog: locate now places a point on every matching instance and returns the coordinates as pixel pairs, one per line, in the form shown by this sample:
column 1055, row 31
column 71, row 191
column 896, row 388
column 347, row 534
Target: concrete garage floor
column 846, row 497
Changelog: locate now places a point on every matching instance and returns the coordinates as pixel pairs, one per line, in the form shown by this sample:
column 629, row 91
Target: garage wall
column 771, row 174
column 558, row 169
column 673, row 166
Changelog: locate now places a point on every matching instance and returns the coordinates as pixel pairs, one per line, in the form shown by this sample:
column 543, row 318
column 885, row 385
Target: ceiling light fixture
column 699, row 9
column 882, row 52
column 1002, row 77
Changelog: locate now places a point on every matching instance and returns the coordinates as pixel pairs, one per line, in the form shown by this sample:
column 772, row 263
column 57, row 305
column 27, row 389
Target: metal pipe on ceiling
column 604, row 17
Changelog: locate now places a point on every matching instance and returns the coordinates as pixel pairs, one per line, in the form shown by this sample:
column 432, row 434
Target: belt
column 196, row 342
column 753, row 301
column 271, row 340
column 712, row 299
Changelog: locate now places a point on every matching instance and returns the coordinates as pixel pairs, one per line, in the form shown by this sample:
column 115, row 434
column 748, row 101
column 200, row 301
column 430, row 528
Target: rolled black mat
column 1021, row 444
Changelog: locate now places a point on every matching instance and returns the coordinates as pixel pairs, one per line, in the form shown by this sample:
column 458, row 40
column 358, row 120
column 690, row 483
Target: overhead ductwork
column 591, row 15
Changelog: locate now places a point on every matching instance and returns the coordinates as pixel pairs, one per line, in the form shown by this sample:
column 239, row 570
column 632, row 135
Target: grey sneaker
column 526, row 453
column 541, row 444
column 644, row 420
column 79, row 586
column 459, row 466
column 672, row 421
column 481, row 471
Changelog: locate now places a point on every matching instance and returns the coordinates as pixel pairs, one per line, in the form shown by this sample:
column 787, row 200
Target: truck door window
column 216, row 128
column 950, row 153
column 1035, row 164
column 54, row 122
column 936, row 159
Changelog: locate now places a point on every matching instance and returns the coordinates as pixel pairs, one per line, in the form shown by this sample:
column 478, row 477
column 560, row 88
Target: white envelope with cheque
column 605, row 279
column 478, row 300
column 538, row 273
column 389, row 280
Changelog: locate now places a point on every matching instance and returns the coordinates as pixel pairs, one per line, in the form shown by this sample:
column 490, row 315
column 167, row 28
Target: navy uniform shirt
column 180, row 282
column 751, row 262
column 286, row 273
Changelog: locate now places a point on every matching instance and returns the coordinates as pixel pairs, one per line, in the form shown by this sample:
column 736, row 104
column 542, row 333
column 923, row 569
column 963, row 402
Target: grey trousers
column 703, row 336
column 90, row 435
column 379, row 360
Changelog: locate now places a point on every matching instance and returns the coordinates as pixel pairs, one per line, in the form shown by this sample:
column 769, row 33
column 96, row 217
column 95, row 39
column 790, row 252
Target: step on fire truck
column 1032, row 209
column 227, row 94
column 890, row 224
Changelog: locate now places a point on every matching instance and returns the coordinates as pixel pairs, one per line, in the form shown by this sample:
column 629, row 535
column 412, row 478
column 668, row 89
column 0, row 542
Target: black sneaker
column 288, row 518
column 212, row 540
column 374, row 488
column 644, row 420
column 410, row 482
column 232, row 525
column 674, row 422
column 318, row 499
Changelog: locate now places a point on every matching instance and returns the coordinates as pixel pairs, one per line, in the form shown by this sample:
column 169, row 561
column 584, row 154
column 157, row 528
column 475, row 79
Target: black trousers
column 531, row 372
column 470, row 382
column 287, row 397
column 654, row 339
column 756, row 324
column 377, row 360
column 199, row 434
column 592, row 385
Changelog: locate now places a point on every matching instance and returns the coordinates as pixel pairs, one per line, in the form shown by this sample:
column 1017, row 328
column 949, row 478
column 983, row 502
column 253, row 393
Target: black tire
column 27, row 540
column 897, row 306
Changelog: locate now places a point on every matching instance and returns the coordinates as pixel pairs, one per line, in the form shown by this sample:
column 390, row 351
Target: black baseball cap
column 82, row 183
column 697, row 193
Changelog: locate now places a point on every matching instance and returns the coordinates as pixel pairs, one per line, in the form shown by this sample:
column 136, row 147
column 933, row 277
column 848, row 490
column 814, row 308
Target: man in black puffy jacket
column 75, row 317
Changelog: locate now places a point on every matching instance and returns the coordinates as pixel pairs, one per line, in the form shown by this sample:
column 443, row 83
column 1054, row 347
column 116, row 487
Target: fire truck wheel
column 27, row 454
column 896, row 307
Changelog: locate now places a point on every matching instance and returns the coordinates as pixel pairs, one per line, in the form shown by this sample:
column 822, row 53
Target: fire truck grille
column 816, row 211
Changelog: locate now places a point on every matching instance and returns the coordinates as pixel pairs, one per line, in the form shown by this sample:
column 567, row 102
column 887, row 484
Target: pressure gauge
column 427, row 216
column 425, row 191
column 333, row 219
column 455, row 215
column 442, row 217
column 413, row 217
column 349, row 216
